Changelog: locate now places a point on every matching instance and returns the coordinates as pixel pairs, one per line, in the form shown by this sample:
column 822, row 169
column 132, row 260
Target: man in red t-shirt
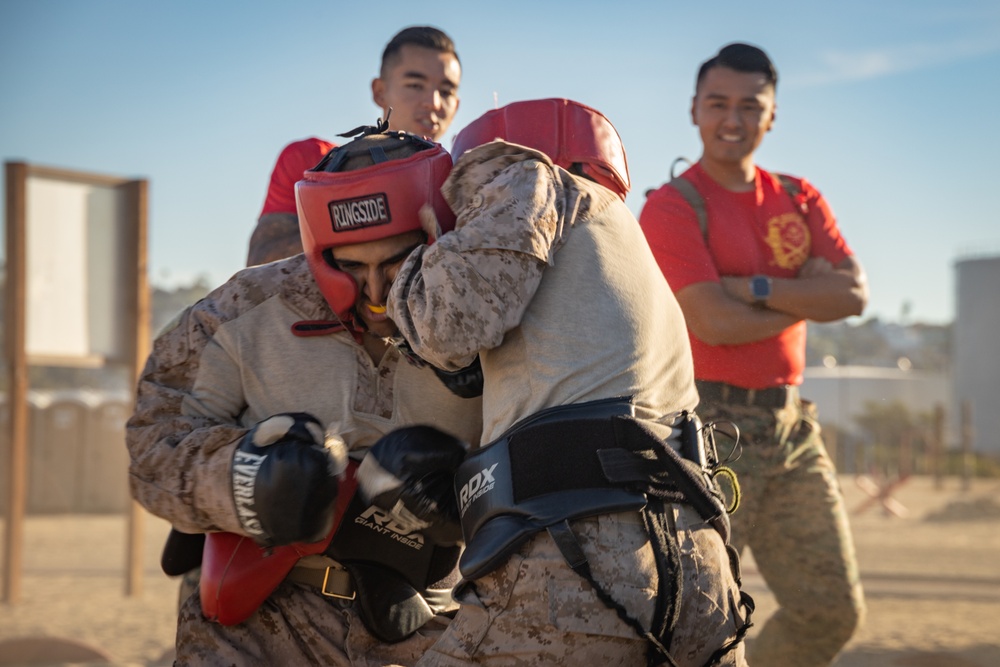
column 418, row 80
column 751, row 256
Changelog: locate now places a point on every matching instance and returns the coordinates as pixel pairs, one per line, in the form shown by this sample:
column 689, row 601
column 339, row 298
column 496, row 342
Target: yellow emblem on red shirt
column 789, row 239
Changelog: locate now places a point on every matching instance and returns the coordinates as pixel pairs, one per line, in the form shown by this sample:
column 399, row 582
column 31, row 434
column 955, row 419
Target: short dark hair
column 424, row 36
column 742, row 58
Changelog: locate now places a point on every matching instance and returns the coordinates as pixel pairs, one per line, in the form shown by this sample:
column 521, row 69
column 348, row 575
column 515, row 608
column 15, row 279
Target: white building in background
column 976, row 348
column 841, row 392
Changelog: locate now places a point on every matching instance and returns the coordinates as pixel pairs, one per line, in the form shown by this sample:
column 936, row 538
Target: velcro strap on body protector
column 663, row 473
column 560, row 464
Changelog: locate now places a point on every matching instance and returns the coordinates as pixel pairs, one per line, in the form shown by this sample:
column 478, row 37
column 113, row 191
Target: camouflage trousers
column 792, row 516
column 535, row 610
column 296, row 625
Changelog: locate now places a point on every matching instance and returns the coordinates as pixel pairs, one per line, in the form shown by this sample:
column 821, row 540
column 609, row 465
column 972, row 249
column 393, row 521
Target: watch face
column 760, row 287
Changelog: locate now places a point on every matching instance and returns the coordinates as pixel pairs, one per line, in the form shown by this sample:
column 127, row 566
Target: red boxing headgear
column 567, row 131
column 361, row 193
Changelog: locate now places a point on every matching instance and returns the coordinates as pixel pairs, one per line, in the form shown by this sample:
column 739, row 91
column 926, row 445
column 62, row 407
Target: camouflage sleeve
column 180, row 457
column 276, row 236
column 465, row 292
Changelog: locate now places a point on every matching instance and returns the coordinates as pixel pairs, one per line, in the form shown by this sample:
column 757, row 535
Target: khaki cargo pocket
column 575, row 608
column 621, row 560
column 481, row 603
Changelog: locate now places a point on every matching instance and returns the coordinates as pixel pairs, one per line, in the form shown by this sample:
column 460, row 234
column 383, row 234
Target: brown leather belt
column 335, row 582
column 720, row 392
column 331, row 581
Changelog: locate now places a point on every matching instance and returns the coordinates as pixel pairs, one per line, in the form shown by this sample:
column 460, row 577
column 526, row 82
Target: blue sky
column 888, row 107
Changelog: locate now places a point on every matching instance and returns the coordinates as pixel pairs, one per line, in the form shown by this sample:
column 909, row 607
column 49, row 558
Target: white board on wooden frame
column 81, row 268
column 76, row 294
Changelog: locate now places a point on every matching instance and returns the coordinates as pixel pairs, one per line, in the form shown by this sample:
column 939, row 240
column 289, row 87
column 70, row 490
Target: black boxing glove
column 410, row 473
column 284, row 481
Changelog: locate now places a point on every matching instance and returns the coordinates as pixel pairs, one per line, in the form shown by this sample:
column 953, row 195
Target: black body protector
column 402, row 578
column 506, row 494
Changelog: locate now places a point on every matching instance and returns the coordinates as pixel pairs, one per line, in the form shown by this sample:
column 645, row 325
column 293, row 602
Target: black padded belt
column 571, row 462
column 583, row 460
column 544, row 470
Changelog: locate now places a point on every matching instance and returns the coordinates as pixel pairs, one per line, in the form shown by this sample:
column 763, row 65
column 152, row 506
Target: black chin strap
column 380, row 127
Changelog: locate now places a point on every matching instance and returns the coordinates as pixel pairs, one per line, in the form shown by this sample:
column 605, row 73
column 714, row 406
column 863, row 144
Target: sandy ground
column 932, row 579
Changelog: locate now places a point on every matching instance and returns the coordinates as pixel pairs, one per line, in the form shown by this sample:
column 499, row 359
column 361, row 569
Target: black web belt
column 720, row 392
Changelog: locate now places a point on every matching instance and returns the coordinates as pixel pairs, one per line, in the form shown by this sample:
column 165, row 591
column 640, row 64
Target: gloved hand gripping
column 410, row 473
column 284, row 481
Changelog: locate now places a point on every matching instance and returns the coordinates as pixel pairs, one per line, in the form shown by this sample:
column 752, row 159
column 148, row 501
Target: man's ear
column 774, row 114
column 694, row 106
column 378, row 92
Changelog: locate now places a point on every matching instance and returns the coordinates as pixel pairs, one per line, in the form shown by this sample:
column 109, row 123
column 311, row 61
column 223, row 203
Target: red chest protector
column 237, row 575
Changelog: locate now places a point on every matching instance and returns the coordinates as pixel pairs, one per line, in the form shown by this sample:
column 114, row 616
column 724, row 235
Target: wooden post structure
column 139, row 300
column 967, row 435
column 937, row 446
column 905, row 464
column 115, row 272
column 17, row 386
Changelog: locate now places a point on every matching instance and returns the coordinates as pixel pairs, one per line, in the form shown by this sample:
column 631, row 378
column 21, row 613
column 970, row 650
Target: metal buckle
column 342, row 582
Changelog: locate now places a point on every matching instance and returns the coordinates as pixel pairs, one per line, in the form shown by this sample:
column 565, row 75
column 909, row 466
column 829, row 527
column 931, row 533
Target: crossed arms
column 724, row 313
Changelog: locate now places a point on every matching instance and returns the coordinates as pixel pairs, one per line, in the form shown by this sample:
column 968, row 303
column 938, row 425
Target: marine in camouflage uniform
column 752, row 255
column 231, row 362
column 548, row 279
column 793, row 518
